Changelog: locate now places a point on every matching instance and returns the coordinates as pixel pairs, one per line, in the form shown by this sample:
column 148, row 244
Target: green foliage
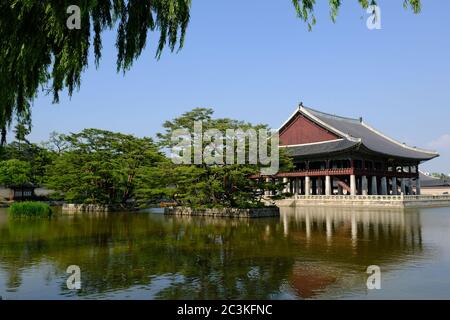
column 14, row 172
column 155, row 183
column 305, row 8
column 438, row 175
column 101, row 167
column 23, row 127
column 30, row 209
column 37, row 158
column 215, row 185
column 37, row 49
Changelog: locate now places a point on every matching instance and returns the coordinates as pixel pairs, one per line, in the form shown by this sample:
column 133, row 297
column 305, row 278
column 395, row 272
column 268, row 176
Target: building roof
column 353, row 133
column 430, row 182
column 339, row 145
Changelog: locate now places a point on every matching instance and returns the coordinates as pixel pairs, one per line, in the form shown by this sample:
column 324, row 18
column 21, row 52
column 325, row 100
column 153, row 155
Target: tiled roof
column 356, row 132
column 427, row 181
column 321, row 148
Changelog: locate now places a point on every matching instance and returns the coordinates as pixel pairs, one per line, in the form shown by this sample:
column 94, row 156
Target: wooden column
column 328, row 186
column 307, row 186
column 365, row 186
column 394, row 186
column 353, row 185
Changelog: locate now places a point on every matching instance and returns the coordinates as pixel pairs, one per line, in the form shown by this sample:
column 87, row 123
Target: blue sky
column 255, row 61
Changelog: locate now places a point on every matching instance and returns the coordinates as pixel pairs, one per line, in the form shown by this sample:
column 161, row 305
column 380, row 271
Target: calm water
column 308, row 253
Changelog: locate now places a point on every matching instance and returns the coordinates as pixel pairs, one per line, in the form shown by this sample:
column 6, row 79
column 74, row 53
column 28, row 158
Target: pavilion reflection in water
column 363, row 224
column 340, row 243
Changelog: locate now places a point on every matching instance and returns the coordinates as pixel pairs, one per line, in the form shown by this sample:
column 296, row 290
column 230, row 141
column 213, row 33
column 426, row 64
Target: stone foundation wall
column 73, row 208
column 5, row 193
column 367, row 201
column 225, row 212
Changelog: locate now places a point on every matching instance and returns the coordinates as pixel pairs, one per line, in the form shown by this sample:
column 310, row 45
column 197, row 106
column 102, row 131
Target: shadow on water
column 307, row 253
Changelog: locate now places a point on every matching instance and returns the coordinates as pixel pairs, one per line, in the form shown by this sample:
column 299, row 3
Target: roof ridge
column 396, row 141
column 332, row 115
column 325, row 122
column 311, row 113
column 313, row 143
column 428, row 176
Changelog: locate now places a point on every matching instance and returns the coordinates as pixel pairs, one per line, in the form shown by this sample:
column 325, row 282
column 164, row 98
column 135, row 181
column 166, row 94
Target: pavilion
column 334, row 155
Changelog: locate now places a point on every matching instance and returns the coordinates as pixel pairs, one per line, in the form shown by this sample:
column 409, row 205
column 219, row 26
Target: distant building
column 434, row 186
column 22, row 192
column 344, row 156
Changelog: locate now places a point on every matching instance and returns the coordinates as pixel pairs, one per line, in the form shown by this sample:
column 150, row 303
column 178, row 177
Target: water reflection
column 337, row 245
column 356, row 229
column 307, row 253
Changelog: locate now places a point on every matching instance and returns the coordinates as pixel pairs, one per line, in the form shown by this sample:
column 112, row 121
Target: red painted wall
column 302, row 130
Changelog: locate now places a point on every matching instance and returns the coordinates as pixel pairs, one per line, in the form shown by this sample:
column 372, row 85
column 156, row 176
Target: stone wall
column 5, row 193
column 73, row 208
column 367, row 201
column 225, row 212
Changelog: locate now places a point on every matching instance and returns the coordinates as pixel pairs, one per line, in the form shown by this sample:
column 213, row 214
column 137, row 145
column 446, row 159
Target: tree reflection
column 306, row 252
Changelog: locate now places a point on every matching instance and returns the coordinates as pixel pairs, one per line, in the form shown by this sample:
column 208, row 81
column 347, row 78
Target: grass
column 30, row 209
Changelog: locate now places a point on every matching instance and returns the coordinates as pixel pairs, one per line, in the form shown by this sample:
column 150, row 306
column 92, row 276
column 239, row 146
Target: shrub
column 30, row 209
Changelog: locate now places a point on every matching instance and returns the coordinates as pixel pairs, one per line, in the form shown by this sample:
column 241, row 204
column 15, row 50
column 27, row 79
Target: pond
column 307, row 253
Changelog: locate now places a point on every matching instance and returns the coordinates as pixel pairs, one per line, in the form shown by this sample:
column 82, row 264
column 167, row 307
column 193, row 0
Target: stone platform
column 366, row 201
column 264, row 212
column 75, row 208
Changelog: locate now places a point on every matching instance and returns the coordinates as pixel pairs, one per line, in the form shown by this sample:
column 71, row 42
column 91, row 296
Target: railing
column 384, row 173
column 348, row 197
column 317, row 172
column 373, row 197
column 428, row 197
column 344, row 172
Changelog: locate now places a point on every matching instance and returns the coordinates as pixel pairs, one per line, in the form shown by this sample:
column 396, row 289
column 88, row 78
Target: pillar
column 374, row 186
column 267, row 191
column 328, row 186
column 403, row 183
column 286, row 186
column 409, row 185
column 340, row 190
column 365, row 186
column 307, row 186
column 418, row 187
column 384, row 187
column 394, row 186
column 353, row 185
column 319, row 186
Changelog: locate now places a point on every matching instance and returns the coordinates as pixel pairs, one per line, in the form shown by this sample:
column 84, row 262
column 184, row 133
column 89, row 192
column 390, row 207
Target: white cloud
column 443, row 142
